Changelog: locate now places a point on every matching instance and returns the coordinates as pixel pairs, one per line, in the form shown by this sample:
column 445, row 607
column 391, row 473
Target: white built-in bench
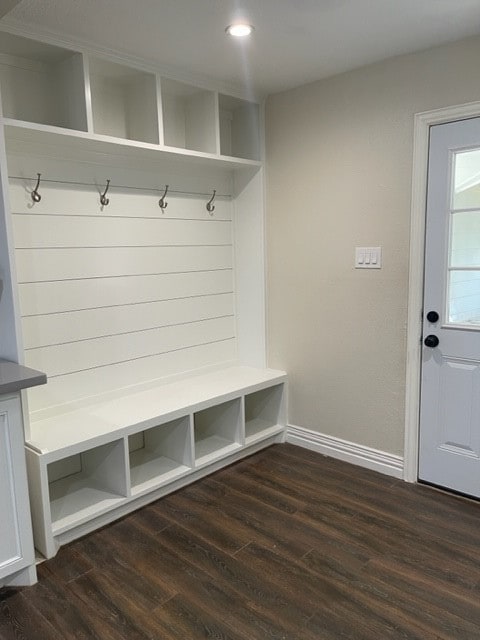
column 92, row 465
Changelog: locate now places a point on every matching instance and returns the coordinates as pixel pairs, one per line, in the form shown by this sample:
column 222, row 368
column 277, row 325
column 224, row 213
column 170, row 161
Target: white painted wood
column 137, row 502
column 249, row 235
column 352, row 452
column 123, row 101
column 54, row 297
column 25, row 578
column 57, row 360
column 263, row 411
column 70, row 264
column 165, row 455
column 188, row 116
column 35, row 231
column 217, row 430
column 58, row 328
column 100, row 486
column 239, row 128
column 422, row 124
column 62, row 392
column 78, row 144
column 57, row 436
column 16, row 542
column 68, row 80
column 40, row 503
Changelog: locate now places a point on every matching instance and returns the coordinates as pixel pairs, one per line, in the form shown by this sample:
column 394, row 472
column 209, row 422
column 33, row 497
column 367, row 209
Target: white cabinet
column 16, row 542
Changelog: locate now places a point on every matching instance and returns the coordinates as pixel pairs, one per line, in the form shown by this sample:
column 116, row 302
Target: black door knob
column 432, row 316
column 431, row 341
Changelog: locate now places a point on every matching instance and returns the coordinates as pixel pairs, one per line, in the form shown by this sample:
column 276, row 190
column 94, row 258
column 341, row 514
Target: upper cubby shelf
column 239, row 128
column 124, row 101
column 41, row 83
column 49, row 91
column 189, row 120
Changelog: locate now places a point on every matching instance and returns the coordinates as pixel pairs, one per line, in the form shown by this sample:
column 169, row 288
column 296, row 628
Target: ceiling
column 294, row 42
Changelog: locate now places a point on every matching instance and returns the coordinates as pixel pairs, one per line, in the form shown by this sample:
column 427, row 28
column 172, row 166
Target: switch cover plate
column 368, row 257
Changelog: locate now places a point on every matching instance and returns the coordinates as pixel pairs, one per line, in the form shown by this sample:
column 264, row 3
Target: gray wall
column 339, row 170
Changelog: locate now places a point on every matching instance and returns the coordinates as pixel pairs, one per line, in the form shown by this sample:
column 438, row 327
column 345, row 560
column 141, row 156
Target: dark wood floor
column 286, row 544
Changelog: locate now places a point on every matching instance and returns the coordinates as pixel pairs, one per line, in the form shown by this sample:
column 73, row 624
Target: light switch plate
column 368, row 257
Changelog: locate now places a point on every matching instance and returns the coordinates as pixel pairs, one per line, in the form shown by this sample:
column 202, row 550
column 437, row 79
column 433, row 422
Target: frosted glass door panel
column 466, row 192
column 463, row 298
column 465, row 239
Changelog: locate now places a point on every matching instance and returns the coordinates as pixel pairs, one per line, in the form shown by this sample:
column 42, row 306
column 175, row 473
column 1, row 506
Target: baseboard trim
column 386, row 463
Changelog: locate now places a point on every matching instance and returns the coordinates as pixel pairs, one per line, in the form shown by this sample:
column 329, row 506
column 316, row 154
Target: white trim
column 386, row 463
column 422, row 123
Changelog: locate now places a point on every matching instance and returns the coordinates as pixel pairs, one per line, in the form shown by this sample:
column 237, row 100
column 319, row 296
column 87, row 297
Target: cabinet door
column 16, row 545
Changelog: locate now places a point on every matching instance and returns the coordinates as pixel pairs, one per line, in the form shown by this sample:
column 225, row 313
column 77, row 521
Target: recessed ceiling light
column 239, row 30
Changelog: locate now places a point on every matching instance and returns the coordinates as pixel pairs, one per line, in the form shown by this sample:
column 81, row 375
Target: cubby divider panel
column 262, row 412
column 124, row 101
column 160, row 454
column 218, row 431
column 87, row 484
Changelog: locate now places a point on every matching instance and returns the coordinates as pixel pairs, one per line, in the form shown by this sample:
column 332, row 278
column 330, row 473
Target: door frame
column 422, row 123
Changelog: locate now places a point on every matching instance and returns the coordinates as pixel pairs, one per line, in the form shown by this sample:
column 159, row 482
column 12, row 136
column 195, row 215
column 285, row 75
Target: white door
column 450, row 395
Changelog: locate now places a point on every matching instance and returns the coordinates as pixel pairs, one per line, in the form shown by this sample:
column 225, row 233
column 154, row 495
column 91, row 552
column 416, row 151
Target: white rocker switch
column 368, row 257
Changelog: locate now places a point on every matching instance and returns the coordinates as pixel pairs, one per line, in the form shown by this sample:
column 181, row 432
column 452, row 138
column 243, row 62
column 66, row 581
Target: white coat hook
column 36, row 197
column 103, row 198
column 161, row 203
column 210, row 205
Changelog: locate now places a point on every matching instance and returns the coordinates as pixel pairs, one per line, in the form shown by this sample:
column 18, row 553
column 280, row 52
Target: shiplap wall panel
column 120, row 295
column 35, row 231
column 57, row 328
column 85, row 201
column 88, row 384
column 69, row 295
column 99, row 352
column 43, row 265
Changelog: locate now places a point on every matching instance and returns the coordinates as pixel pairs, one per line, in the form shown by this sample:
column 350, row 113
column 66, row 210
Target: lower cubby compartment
column 217, row 431
column 160, row 454
column 263, row 412
column 86, row 485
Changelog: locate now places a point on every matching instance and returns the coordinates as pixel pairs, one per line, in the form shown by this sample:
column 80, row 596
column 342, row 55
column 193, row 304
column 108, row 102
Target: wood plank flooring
column 286, row 544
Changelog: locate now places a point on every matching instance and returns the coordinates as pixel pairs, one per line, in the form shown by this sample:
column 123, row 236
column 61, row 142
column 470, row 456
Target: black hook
column 161, row 203
column 210, row 205
column 36, row 197
column 103, row 199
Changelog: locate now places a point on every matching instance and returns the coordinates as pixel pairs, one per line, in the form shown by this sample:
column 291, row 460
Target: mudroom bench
column 92, row 465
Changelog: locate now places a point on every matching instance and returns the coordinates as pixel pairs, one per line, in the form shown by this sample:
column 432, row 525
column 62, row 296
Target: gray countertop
column 14, row 377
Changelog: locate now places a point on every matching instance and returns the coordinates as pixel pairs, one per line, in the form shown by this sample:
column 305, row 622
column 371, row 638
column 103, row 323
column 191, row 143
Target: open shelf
column 86, row 485
column 217, row 431
column 42, row 83
column 160, row 454
column 189, row 119
column 239, row 128
column 263, row 413
column 124, row 101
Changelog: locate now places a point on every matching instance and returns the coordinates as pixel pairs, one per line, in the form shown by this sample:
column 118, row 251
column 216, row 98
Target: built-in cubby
column 239, row 128
column 86, row 484
column 160, row 454
column 189, row 116
column 262, row 412
column 217, row 431
column 124, row 101
column 41, row 83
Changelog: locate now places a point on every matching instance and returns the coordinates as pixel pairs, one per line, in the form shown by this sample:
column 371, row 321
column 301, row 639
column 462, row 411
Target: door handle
column 431, row 341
